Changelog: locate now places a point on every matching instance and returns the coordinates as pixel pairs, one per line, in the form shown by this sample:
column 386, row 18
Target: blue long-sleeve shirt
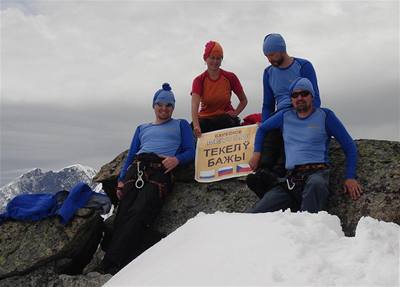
column 276, row 83
column 172, row 138
column 307, row 139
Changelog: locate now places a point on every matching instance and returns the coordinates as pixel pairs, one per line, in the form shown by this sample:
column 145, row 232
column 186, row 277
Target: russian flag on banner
column 207, row 174
column 243, row 167
column 225, row 170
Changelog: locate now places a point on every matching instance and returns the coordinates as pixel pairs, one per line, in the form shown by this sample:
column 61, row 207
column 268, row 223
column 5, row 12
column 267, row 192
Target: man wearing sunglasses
column 145, row 179
column 306, row 133
column 277, row 78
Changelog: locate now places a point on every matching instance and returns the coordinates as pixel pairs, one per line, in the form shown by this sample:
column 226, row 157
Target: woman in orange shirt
column 211, row 91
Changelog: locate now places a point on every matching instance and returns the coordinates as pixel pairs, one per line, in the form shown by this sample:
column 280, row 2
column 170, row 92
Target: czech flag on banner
column 244, row 167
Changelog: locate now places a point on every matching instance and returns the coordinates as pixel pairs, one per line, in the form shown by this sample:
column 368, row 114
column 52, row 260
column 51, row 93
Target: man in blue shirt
column 145, row 179
column 283, row 70
column 277, row 78
column 306, row 133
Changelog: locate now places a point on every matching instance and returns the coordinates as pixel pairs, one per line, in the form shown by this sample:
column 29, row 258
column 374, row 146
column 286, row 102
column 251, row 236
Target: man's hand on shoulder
column 170, row 163
column 352, row 187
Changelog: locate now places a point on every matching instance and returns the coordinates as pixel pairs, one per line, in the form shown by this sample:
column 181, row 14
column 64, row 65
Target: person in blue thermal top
column 156, row 149
column 306, row 131
column 277, row 78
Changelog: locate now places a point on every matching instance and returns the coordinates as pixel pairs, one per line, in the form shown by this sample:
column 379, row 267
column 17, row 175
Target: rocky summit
column 36, row 253
column 378, row 171
column 47, row 253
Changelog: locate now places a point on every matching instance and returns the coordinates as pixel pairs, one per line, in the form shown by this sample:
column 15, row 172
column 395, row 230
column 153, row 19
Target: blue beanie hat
column 164, row 95
column 302, row 84
column 274, row 43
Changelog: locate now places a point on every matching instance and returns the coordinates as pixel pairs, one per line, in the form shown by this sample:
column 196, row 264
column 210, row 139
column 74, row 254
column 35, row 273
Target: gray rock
column 47, row 276
column 95, row 262
column 43, row 276
column 108, row 175
column 43, row 248
column 188, row 199
column 110, row 171
column 25, row 246
column 92, row 279
column 378, row 172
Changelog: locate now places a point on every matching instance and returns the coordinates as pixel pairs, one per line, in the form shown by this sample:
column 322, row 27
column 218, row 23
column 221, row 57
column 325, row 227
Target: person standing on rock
column 212, row 91
column 277, row 78
column 145, row 179
column 306, row 133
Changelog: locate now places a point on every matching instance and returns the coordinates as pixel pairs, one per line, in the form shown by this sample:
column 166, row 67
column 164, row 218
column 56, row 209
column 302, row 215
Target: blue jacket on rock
column 37, row 206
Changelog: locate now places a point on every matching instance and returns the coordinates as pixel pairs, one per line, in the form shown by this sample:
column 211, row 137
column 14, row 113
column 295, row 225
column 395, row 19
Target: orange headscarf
column 213, row 49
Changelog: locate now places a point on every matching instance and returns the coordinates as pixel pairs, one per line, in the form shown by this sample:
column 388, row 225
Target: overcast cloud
column 78, row 76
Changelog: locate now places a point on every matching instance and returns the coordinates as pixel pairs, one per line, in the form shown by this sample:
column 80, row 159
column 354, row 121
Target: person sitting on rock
column 212, row 91
column 306, row 133
column 278, row 76
column 145, row 179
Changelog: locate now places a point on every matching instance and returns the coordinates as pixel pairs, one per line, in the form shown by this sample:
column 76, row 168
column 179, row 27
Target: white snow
column 89, row 171
column 270, row 249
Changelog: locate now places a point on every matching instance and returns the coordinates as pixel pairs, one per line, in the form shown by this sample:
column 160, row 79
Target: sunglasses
column 303, row 94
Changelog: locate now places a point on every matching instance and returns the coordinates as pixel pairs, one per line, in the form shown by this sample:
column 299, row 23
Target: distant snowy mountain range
column 37, row 181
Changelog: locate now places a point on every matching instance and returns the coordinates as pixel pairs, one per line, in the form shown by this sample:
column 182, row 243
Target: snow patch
column 270, row 249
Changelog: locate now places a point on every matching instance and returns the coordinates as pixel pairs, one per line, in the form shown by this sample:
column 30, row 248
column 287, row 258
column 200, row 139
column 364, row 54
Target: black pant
column 272, row 164
column 137, row 211
column 218, row 123
column 273, row 153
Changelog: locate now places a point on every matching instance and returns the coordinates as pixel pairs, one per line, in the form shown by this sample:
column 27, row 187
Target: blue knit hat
column 274, row 43
column 164, row 96
column 302, row 84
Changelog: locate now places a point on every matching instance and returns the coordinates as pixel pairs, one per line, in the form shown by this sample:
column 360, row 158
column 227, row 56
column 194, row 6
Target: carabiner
column 288, row 184
column 139, row 183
